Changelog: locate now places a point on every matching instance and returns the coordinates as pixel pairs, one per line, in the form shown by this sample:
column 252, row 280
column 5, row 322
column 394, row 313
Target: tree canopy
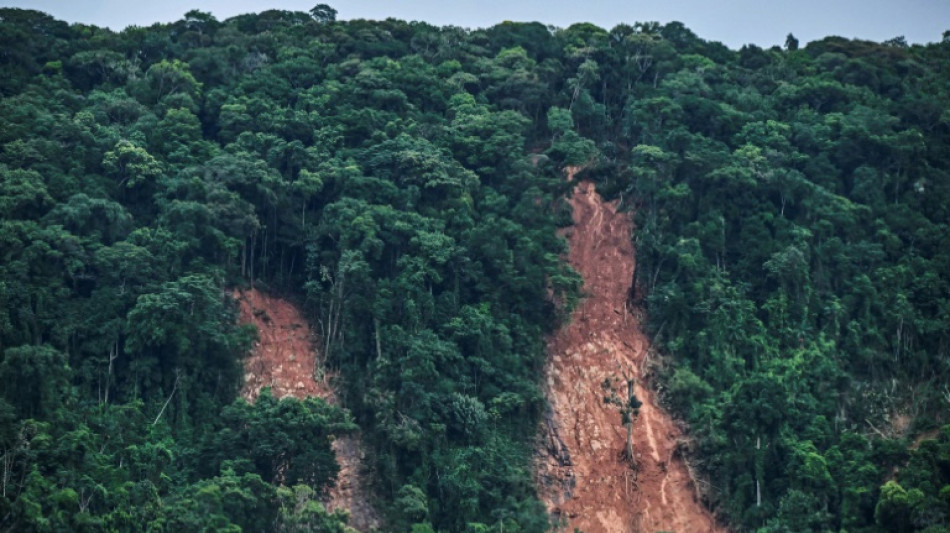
column 402, row 182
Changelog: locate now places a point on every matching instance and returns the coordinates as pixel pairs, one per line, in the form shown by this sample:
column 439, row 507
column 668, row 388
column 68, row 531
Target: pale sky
column 733, row 23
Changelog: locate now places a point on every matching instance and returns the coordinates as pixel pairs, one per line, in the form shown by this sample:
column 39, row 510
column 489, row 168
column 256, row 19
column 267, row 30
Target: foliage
column 403, row 182
column 792, row 223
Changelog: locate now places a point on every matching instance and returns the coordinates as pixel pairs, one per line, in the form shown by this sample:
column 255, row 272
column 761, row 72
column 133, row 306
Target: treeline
column 794, row 252
column 402, row 181
column 386, row 188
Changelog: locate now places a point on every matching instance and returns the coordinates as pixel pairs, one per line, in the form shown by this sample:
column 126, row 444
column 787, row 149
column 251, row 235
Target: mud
column 286, row 359
column 584, row 477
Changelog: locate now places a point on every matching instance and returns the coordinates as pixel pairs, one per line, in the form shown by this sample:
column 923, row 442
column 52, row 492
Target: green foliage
column 323, row 13
column 35, row 379
column 302, row 512
column 286, row 441
column 405, row 182
column 783, row 242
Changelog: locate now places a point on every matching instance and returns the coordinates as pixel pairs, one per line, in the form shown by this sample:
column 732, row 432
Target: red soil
column 286, row 359
column 583, row 477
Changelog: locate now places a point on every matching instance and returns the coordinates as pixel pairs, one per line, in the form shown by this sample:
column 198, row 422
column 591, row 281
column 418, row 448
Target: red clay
column 285, row 358
column 582, row 474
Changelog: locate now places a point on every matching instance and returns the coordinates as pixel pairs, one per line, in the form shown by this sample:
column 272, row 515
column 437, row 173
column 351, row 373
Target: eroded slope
column 584, row 477
column 285, row 359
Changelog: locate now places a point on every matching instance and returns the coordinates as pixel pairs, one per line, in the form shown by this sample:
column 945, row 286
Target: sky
column 732, row 22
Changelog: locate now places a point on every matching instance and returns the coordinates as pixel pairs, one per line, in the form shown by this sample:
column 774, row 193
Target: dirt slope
column 284, row 359
column 582, row 475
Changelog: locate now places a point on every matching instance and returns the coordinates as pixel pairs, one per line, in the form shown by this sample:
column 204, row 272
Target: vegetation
column 793, row 236
column 403, row 181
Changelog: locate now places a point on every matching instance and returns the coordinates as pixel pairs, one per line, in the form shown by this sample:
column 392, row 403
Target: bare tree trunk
column 113, row 355
column 758, row 486
column 264, row 255
column 251, row 255
column 7, row 463
column 897, row 344
column 170, row 396
column 333, row 321
column 379, row 347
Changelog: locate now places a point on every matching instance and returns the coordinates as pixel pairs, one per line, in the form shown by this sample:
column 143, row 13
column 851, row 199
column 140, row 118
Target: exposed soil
column 286, row 359
column 927, row 435
column 584, row 478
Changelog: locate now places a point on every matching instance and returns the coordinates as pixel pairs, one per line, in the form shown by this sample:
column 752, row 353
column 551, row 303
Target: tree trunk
column 113, row 355
column 170, row 396
column 379, row 347
column 758, row 486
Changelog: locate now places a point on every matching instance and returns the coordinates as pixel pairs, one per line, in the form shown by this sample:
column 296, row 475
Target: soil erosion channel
column 285, row 359
column 583, row 475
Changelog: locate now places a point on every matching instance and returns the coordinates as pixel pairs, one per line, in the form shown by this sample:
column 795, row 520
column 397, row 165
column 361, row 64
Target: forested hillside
column 403, row 183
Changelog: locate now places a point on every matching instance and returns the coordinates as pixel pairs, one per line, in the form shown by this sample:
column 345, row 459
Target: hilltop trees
column 403, row 182
column 146, row 171
column 791, row 248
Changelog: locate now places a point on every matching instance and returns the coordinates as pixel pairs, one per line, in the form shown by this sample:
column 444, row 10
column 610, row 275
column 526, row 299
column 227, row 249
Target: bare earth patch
column 285, row 358
column 583, row 477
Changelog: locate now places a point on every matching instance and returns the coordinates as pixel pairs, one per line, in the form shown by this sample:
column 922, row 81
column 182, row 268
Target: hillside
column 783, row 326
column 587, row 476
column 286, row 360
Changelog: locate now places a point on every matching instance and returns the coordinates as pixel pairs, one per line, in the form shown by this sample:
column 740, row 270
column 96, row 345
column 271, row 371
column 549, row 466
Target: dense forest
column 403, row 182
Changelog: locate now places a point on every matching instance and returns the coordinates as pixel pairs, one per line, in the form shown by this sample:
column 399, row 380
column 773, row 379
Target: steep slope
column 584, row 478
column 285, row 358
